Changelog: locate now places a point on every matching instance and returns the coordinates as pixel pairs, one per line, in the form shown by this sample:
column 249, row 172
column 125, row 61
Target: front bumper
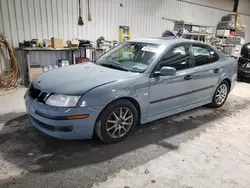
column 63, row 129
column 244, row 72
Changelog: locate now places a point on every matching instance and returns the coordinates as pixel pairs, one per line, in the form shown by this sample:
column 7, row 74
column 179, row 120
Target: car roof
column 169, row 41
column 165, row 40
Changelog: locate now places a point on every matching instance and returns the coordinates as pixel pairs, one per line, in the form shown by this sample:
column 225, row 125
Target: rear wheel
column 116, row 121
column 220, row 95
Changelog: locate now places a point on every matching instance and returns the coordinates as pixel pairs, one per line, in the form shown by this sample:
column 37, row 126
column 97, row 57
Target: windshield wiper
column 114, row 66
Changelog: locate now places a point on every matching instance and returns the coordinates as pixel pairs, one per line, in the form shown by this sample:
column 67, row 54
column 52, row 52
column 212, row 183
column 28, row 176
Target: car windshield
column 131, row 56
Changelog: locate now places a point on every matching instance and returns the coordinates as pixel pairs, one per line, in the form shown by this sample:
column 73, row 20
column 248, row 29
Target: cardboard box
column 63, row 62
column 57, row 42
column 73, row 43
column 48, row 43
column 35, row 72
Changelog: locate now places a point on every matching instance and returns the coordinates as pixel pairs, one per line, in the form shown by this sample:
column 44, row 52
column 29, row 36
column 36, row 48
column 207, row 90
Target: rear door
column 207, row 72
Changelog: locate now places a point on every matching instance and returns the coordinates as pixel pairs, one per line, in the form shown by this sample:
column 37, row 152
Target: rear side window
column 204, row 55
column 178, row 57
column 214, row 56
column 201, row 55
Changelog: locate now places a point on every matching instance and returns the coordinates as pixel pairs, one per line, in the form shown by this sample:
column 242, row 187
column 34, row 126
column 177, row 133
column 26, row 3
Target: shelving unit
column 231, row 34
column 23, row 55
column 194, row 31
column 198, row 34
column 231, row 44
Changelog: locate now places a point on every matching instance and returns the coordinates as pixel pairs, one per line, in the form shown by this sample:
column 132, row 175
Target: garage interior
column 203, row 147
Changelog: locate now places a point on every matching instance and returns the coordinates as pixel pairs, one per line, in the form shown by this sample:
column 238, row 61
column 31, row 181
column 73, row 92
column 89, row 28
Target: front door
column 168, row 93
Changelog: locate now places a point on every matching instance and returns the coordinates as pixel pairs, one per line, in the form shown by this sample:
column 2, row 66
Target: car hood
column 78, row 79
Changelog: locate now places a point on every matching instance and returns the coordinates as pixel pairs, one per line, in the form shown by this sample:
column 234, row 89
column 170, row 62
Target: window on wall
column 178, row 57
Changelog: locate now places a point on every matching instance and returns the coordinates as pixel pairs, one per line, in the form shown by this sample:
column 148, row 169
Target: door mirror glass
column 166, row 71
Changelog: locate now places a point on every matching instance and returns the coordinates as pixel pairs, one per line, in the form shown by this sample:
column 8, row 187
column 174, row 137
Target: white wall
column 244, row 7
column 26, row 19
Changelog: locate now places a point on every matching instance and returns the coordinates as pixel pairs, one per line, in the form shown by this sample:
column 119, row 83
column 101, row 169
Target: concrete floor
column 200, row 148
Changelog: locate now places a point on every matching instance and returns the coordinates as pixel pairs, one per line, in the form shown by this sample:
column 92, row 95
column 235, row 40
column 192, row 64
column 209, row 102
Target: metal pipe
column 202, row 5
column 198, row 4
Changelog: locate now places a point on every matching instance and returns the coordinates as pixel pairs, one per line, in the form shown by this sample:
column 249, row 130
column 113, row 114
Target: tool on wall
column 124, row 32
column 80, row 22
column 89, row 14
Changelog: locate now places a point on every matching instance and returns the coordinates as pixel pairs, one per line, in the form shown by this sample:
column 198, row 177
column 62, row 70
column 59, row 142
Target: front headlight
column 63, row 100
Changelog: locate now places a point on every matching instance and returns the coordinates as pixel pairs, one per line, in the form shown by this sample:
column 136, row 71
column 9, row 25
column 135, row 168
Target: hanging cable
column 10, row 78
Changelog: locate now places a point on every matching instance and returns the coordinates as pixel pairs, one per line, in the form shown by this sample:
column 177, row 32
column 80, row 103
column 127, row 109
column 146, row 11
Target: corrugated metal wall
column 42, row 19
column 244, row 7
column 26, row 19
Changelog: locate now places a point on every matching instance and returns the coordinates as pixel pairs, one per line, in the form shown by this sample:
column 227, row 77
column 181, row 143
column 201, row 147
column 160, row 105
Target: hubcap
column 119, row 122
column 221, row 94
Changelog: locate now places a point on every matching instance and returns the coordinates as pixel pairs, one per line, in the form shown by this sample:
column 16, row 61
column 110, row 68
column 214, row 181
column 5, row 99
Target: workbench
column 93, row 52
column 23, row 57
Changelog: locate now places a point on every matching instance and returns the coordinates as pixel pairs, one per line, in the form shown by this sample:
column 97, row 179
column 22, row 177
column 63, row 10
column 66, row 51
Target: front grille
column 42, row 97
column 34, row 93
column 37, row 94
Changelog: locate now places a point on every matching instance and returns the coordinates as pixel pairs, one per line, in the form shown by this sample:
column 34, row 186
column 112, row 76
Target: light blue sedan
column 138, row 81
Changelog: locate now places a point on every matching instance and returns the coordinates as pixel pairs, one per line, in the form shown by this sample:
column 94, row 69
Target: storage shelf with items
column 194, row 31
column 40, row 55
column 231, row 34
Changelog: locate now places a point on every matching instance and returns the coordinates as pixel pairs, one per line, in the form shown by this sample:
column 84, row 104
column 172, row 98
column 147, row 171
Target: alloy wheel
column 221, row 94
column 119, row 122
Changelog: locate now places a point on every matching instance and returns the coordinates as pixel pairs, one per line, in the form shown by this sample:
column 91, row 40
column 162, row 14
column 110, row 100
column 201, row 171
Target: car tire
column 220, row 95
column 116, row 121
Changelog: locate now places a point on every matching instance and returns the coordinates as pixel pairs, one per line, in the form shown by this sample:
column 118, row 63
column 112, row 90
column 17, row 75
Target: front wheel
column 116, row 121
column 220, row 95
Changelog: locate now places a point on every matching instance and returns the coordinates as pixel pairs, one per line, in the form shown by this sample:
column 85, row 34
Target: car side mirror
column 166, row 71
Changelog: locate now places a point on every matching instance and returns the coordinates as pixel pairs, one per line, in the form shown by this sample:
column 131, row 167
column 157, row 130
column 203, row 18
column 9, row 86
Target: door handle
column 216, row 70
column 188, row 77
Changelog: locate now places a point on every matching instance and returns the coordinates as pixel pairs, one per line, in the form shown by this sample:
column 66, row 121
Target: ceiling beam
column 236, row 4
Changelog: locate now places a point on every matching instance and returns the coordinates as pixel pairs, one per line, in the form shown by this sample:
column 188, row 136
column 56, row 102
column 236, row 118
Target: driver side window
column 178, row 58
